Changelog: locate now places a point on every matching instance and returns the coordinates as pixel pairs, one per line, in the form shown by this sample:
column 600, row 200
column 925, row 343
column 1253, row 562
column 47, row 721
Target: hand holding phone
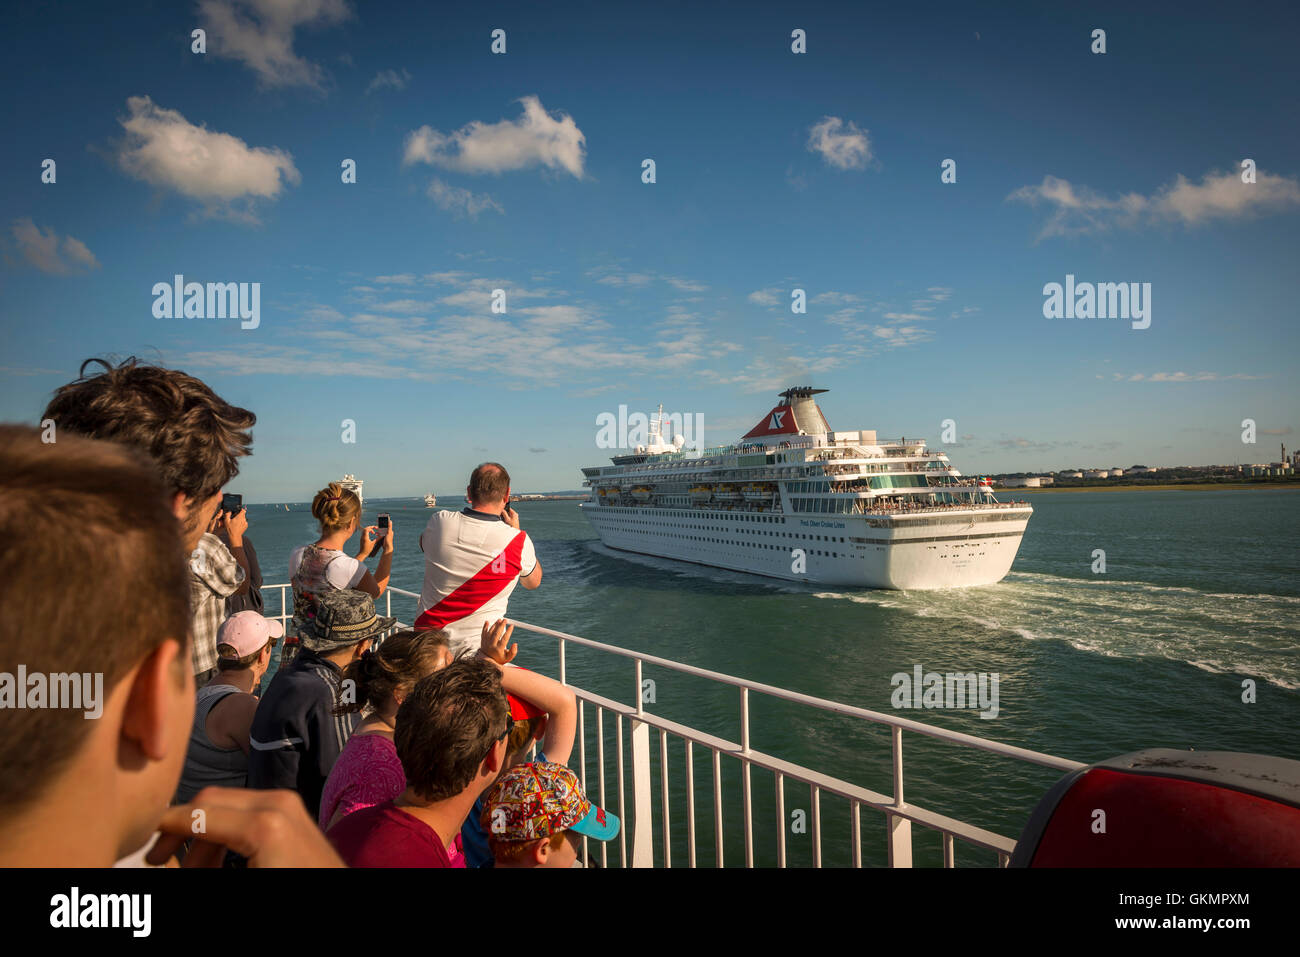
column 382, row 533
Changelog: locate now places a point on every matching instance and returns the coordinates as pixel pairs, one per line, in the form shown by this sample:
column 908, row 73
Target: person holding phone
column 473, row 559
column 247, row 598
column 217, row 571
column 323, row 566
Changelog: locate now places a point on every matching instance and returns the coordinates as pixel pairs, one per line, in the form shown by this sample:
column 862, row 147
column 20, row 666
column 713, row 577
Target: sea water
column 1197, row 606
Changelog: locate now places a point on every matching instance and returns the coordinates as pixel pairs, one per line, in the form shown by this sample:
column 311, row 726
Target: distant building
column 1116, row 473
column 1071, row 475
column 1034, row 482
column 1097, row 473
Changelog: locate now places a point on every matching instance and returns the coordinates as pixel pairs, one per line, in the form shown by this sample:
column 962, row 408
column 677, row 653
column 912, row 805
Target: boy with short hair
column 536, row 816
column 451, row 738
column 84, row 793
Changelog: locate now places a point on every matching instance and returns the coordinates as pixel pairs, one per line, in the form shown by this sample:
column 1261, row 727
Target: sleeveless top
column 309, row 581
column 205, row 763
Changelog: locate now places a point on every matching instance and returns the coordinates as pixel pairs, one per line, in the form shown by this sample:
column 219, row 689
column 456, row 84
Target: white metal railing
column 639, row 826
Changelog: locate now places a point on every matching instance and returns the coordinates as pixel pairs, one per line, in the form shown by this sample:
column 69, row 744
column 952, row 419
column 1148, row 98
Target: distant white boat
column 430, row 500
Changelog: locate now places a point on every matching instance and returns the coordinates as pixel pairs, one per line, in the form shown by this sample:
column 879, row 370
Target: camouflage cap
column 343, row 618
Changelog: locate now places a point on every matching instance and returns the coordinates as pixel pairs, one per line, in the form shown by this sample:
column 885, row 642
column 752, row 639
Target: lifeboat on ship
column 755, row 492
column 642, row 493
column 726, row 493
column 701, row 494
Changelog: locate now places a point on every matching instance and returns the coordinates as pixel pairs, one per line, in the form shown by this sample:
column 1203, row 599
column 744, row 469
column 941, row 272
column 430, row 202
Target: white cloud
column 1192, row 377
column 837, row 298
column 166, row 150
column 50, row 254
column 460, row 201
column 840, row 144
column 260, row 34
column 625, row 279
column 406, row 306
column 535, row 139
column 1223, row 196
column 389, row 78
column 765, row 297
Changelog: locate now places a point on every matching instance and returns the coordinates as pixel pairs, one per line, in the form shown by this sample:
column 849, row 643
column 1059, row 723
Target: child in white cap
column 223, row 714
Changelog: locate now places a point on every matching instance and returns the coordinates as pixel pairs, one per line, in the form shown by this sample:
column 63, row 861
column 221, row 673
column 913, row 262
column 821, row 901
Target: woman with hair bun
column 368, row 771
column 323, row 566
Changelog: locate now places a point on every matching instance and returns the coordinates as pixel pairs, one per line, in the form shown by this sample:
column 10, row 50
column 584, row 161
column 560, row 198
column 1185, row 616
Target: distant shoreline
column 1191, row 486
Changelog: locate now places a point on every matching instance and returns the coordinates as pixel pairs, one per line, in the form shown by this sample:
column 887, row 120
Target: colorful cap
column 532, row 801
column 247, row 632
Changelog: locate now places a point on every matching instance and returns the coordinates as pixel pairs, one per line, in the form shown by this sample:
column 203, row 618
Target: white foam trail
column 1221, row 633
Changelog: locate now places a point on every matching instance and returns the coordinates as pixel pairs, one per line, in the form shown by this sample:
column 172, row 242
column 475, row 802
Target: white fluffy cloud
column 534, row 139
column 260, row 34
column 840, row 143
column 166, row 150
column 1078, row 209
column 48, row 253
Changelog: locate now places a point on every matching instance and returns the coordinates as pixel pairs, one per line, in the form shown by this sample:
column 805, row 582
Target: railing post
column 642, row 820
column 642, row 812
column 900, row 828
column 744, row 778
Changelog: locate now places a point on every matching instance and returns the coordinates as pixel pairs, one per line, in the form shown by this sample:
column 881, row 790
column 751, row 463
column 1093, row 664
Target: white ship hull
column 952, row 549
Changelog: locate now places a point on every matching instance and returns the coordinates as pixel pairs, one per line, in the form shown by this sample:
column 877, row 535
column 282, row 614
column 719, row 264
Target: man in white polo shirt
column 473, row 559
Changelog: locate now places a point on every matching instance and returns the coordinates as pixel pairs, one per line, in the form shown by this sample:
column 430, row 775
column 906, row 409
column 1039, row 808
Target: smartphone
column 231, row 503
column 381, row 533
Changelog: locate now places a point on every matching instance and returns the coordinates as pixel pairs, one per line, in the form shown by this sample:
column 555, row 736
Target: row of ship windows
column 695, row 513
column 719, row 528
column 907, row 521
column 724, row 541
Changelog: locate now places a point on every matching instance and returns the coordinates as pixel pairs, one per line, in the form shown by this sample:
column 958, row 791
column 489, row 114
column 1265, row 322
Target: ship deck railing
column 647, row 822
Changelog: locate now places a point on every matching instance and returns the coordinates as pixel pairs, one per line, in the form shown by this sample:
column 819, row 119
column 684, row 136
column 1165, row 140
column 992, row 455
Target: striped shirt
column 296, row 737
column 214, row 574
column 472, row 562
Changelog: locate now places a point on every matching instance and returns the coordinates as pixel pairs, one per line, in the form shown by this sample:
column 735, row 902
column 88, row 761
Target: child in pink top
column 367, row 771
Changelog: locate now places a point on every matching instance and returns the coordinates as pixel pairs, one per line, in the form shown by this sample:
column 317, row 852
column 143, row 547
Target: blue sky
column 774, row 170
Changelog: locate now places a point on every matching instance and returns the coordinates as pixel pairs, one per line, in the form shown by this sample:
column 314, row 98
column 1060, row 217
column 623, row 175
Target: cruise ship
column 353, row 484
column 794, row 499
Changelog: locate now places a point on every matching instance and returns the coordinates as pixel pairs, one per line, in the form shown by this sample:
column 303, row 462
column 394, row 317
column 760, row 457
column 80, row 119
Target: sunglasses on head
column 510, row 726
